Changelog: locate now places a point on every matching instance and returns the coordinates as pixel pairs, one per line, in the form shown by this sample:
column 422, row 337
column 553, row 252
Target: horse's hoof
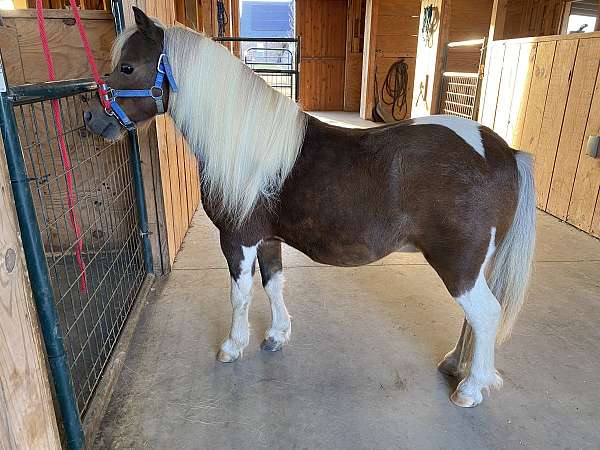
column 463, row 400
column 448, row 366
column 225, row 357
column 271, row 345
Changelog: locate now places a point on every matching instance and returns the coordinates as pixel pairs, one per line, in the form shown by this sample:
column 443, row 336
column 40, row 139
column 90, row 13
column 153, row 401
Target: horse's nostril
column 87, row 116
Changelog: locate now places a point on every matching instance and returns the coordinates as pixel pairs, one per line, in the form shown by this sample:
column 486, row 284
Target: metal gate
column 460, row 91
column 80, row 324
column 275, row 60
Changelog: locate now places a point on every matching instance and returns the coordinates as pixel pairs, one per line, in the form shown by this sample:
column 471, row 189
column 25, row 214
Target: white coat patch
column 467, row 129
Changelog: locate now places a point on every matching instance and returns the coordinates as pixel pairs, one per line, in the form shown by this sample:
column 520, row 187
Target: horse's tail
column 511, row 267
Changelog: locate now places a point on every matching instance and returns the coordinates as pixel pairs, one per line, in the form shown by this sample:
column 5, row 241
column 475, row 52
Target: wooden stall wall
column 391, row 33
column 355, row 29
column 27, row 419
column 322, row 27
column 533, row 18
column 543, row 96
column 178, row 179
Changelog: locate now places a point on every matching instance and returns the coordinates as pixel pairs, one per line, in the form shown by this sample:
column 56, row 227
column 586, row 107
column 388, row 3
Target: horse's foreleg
column 241, row 261
column 271, row 271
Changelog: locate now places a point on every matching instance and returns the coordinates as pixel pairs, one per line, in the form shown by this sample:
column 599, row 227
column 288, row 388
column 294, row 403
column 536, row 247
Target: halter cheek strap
column 155, row 92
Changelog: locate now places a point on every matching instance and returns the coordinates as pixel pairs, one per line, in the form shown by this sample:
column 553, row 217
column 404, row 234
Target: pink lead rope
column 62, row 144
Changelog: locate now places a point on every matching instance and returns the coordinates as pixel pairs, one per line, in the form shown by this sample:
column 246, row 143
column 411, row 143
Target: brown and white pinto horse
column 442, row 185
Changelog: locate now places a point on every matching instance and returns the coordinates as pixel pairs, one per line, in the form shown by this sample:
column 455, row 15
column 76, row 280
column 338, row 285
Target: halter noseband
column 109, row 96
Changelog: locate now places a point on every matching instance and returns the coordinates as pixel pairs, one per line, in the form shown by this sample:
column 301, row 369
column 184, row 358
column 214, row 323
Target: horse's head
column 135, row 67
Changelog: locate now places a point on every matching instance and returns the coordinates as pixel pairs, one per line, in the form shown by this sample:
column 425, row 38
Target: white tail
column 510, row 269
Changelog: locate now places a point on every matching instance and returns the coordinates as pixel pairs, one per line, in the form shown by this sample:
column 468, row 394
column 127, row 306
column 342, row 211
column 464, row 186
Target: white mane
column 247, row 134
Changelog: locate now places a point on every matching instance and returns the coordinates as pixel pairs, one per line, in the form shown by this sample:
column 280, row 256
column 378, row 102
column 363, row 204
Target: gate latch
column 593, row 146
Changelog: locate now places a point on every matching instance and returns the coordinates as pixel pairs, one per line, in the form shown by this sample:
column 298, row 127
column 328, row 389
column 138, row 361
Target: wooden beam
column 497, row 20
column 367, row 97
column 429, row 61
column 597, row 28
column 27, row 417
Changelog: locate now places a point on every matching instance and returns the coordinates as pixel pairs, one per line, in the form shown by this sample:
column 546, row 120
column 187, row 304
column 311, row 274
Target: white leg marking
column 281, row 326
column 482, row 311
column 240, row 295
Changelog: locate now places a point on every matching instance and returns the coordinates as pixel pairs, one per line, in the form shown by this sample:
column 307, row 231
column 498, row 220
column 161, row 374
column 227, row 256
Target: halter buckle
column 156, row 92
column 159, row 65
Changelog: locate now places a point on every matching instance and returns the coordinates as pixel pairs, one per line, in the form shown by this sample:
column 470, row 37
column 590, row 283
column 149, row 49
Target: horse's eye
column 126, row 69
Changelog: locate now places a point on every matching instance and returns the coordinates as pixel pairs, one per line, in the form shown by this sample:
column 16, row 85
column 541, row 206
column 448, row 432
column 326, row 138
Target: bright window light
column 7, row 4
column 581, row 23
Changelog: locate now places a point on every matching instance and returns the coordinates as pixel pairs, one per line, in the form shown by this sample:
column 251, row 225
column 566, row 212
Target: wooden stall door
column 322, row 26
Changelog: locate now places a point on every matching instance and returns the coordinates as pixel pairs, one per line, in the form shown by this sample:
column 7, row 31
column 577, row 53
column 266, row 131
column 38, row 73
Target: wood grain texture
column 469, row 19
column 554, row 110
column 525, row 72
column 9, row 46
column 537, row 96
column 506, row 90
column 493, row 77
column 367, row 98
column 322, row 27
column 27, row 417
column 587, row 180
column 576, row 116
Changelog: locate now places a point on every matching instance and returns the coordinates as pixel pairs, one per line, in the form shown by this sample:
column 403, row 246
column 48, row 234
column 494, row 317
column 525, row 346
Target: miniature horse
column 442, row 185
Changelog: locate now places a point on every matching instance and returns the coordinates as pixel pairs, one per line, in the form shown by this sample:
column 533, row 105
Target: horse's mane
column 247, row 134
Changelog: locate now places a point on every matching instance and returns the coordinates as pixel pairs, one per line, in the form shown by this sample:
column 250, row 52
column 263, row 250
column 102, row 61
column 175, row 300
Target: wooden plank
column 9, row 47
column 27, row 417
column 576, row 115
column 596, row 220
column 493, row 77
column 537, row 96
column 506, row 90
column 173, row 179
column 550, row 130
column 67, row 51
column 470, row 19
column 587, row 180
column 183, row 190
column 497, row 20
column 161, row 134
column 367, row 99
column 522, row 88
column 352, row 81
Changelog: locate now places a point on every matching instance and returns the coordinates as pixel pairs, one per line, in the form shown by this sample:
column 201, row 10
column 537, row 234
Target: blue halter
column 156, row 92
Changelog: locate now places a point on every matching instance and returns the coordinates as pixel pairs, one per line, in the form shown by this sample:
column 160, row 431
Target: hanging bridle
column 109, row 96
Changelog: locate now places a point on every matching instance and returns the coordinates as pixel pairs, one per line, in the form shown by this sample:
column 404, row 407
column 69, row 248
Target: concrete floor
column 360, row 371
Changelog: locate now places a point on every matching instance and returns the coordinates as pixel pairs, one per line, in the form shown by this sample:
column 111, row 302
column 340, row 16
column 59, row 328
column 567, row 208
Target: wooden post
column 496, row 32
column 27, row 417
column 497, row 20
column 429, row 61
column 367, row 96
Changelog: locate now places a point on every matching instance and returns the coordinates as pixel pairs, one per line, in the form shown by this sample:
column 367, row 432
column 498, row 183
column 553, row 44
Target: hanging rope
column 429, row 24
column 64, row 154
column 222, row 19
column 393, row 93
column 394, row 89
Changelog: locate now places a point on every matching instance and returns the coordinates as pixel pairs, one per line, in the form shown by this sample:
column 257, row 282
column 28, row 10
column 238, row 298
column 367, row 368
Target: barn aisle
column 360, row 369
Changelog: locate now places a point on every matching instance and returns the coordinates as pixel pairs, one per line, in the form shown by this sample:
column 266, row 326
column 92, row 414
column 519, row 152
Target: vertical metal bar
column 140, row 198
column 298, row 54
column 116, row 7
column 38, row 270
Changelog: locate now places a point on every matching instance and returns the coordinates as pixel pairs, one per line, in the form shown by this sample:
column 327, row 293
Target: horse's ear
column 147, row 26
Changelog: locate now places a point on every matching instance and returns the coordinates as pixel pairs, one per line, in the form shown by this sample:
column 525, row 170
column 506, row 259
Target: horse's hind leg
column 241, row 261
column 271, row 272
column 450, row 365
column 482, row 312
column 463, row 271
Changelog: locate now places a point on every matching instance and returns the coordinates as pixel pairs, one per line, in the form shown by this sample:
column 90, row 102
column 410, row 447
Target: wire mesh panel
column 275, row 60
column 91, row 316
column 459, row 94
